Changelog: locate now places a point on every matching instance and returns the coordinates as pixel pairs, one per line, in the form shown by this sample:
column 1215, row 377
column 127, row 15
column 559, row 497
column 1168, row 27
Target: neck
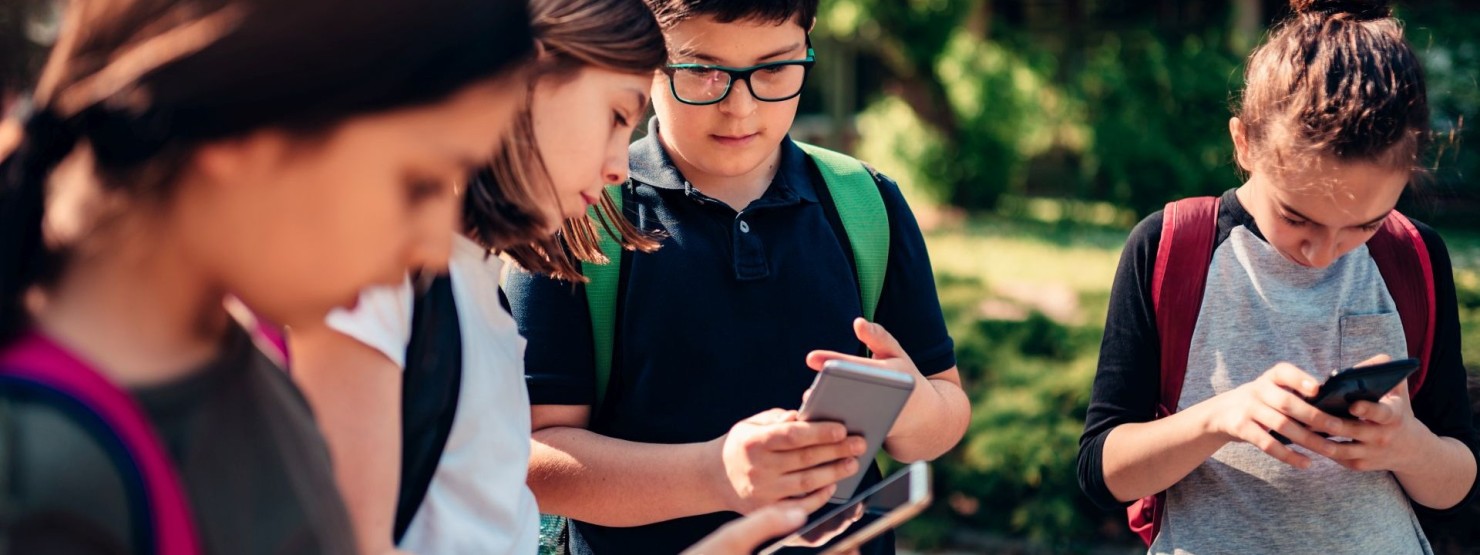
column 737, row 191
column 135, row 307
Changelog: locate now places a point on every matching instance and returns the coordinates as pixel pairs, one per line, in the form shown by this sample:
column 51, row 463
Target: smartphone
column 878, row 509
column 1358, row 383
column 1361, row 383
column 864, row 399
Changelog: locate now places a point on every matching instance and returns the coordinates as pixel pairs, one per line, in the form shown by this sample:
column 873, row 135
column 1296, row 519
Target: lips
column 590, row 200
column 735, row 140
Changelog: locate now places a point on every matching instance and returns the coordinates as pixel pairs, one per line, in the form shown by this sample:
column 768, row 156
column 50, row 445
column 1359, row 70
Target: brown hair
column 671, row 12
column 136, row 84
column 1337, row 79
column 618, row 35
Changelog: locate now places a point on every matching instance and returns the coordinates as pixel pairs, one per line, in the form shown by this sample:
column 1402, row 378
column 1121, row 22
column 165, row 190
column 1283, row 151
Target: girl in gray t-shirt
column 1332, row 126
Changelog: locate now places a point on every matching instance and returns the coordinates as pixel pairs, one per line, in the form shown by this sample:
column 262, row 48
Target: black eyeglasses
column 702, row 84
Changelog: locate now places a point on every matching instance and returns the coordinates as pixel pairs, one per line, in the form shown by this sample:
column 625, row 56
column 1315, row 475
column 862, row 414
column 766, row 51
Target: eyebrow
column 1370, row 223
column 642, row 99
column 713, row 60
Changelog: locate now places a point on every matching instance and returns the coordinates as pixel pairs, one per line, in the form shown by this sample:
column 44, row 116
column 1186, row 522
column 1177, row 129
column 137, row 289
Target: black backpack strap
column 429, row 391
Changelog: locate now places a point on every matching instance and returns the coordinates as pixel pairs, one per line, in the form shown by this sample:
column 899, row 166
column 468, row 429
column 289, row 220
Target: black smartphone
column 1359, row 383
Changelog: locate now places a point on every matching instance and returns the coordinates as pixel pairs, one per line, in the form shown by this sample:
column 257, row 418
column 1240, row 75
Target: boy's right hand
column 773, row 457
column 1274, row 402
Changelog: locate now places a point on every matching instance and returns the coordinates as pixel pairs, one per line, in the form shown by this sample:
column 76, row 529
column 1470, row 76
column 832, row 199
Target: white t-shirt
column 478, row 501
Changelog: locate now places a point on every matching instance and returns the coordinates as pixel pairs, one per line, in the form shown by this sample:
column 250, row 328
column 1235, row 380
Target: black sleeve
column 1443, row 402
column 1129, row 374
column 559, row 356
column 908, row 306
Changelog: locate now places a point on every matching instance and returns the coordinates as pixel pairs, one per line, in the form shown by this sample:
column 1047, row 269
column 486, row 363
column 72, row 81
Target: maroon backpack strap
column 1402, row 258
column 1189, row 228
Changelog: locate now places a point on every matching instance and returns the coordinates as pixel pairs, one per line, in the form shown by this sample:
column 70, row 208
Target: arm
column 356, row 394
column 569, row 467
column 1146, row 458
column 762, row 460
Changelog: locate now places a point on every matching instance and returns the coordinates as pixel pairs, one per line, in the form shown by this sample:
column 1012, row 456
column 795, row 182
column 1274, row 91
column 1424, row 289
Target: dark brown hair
column 1337, row 79
column 671, row 12
column 139, row 83
column 499, row 209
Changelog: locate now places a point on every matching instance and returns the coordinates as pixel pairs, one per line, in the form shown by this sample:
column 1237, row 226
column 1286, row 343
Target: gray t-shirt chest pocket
column 1364, row 336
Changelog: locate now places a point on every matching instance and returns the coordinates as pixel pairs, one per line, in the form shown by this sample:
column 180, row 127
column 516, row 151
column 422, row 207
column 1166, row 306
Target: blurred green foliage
column 1109, row 100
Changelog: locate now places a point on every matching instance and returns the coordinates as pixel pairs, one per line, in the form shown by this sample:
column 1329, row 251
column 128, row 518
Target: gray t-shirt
column 1261, row 309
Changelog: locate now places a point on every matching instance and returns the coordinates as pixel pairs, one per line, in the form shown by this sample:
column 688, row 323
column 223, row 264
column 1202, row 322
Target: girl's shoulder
column 64, row 487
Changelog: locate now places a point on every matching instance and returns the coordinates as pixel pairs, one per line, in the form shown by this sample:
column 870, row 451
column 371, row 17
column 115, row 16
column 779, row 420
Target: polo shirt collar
column 650, row 164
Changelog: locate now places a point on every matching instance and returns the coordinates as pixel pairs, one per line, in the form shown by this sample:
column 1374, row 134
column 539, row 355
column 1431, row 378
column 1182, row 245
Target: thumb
column 878, row 340
column 740, row 537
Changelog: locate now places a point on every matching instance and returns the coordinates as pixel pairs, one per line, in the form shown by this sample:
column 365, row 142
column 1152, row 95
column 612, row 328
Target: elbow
column 1092, row 478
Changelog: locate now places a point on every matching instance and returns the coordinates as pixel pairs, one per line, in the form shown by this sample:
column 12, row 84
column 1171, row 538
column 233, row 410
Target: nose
column 614, row 167
column 740, row 102
column 1320, row 251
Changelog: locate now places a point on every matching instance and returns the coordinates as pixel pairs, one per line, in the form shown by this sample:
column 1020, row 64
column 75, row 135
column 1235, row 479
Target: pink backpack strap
column 1402, row 258
column 36, row 360
column 1189, row 228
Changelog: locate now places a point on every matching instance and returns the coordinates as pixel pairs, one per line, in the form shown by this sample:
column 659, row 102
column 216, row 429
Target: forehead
column 1340, row 192
column 737, row 42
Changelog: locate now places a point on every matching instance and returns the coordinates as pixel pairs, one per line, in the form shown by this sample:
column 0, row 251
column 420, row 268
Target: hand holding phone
column 1359, row 383
column 864, row 399
column 773, row 457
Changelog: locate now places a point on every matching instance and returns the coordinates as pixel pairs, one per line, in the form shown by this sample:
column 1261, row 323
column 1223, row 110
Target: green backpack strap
column 601, row 298
column 861, row 209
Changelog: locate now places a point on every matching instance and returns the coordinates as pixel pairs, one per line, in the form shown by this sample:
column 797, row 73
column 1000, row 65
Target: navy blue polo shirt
column 714, row 327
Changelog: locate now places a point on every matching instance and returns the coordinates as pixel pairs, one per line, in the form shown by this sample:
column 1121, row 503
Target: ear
column 1240, row 143
column 812, row 26
column 239, row 158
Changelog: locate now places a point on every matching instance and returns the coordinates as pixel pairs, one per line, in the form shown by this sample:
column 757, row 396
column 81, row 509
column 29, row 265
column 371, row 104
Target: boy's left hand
column 887, row 353
column 935, row 417
column 1385, row 436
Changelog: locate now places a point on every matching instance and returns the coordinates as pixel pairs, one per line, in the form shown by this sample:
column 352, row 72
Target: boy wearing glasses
column 714, row 330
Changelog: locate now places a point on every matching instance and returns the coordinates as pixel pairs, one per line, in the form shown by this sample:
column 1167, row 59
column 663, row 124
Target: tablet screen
column 842, row 521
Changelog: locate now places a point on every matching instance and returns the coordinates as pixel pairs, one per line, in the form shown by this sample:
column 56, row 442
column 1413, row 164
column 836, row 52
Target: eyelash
column 1301, row 223
column 620, row 119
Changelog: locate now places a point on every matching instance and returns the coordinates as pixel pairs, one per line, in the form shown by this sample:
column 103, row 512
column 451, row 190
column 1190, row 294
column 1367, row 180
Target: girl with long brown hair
column 458, row 484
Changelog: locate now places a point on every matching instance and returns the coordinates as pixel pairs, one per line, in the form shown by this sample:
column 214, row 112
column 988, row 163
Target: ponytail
column 46, row 140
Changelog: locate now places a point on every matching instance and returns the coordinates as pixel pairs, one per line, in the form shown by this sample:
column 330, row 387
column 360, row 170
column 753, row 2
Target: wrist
column 1415, row 458
column 1206, row 422
column 716, row 477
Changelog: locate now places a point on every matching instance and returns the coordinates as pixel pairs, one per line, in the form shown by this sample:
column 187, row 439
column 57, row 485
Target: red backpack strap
column 1402, row 258
column 1189, row 228
column 36, row 360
